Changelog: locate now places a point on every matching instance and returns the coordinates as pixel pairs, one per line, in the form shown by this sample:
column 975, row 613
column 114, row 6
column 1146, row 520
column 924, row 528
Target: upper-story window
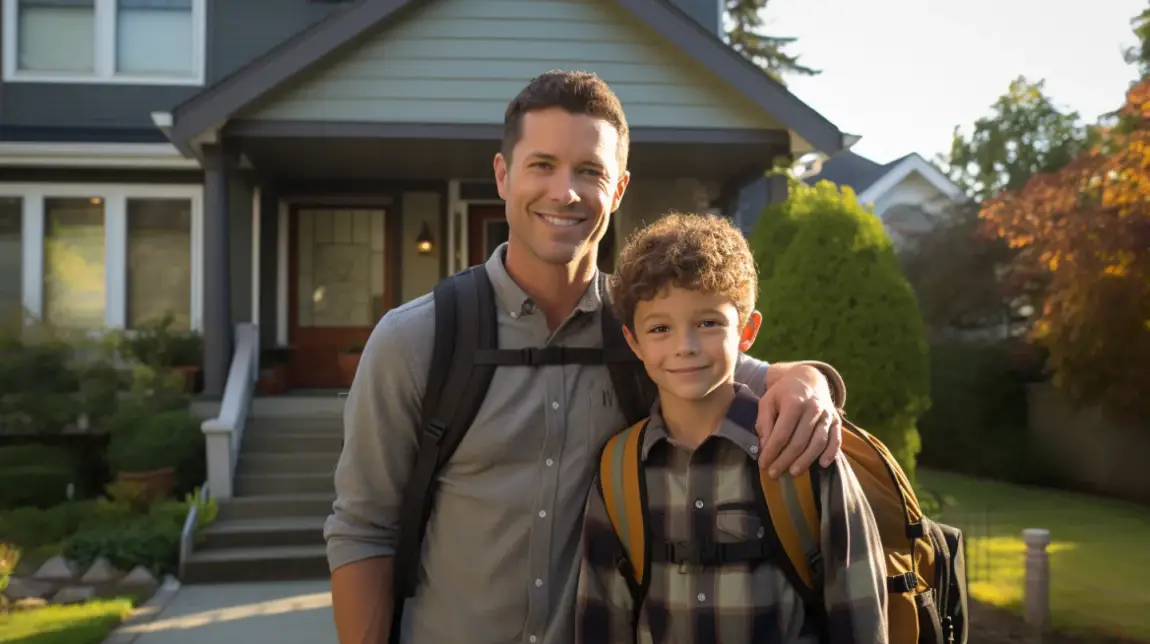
column 104, row 41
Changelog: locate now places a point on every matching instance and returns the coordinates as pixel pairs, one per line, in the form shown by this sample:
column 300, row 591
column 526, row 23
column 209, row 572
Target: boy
column 685, row 291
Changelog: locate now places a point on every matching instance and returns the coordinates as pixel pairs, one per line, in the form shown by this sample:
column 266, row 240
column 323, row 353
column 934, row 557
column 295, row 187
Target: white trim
column 115, row 198
column 116, row 261
column 912, row 163
column 256, row 256
column 105, row 60
column 95, row 155
column 282, row 275
column 32, row 248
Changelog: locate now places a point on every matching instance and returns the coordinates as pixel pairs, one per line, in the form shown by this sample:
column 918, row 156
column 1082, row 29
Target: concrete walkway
column 280, row 612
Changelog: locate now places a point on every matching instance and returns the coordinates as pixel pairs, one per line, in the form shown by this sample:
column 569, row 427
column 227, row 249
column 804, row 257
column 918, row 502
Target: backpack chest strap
column 710, row 553
column 553, row 355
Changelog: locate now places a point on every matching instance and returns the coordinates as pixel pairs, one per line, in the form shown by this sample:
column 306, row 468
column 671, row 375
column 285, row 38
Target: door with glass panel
column 338, row 285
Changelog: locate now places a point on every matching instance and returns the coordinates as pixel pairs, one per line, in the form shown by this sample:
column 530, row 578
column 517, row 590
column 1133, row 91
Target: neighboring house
column 908, row 194
column 306, row 165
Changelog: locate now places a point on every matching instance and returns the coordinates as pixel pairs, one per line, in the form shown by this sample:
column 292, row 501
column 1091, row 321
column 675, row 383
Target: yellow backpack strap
column 623, row 494
column 793, row 507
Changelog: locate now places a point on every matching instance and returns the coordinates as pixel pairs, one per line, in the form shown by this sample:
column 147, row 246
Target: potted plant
column 146, row 446
column 349, row 361
column 185, row 353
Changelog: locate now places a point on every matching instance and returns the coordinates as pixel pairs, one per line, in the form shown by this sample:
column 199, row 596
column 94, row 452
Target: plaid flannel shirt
column 708, row 495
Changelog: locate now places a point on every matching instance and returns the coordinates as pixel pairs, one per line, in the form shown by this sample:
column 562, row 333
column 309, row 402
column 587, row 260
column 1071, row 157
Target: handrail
column 222, row 434
column 188, row 533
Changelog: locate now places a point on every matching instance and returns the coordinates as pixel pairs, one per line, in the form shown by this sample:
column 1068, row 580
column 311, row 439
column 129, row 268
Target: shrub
column 35, row 475
column 9, row 557
column 154, row 545
column 160, row 439
column 831, row 289
column 977, row 423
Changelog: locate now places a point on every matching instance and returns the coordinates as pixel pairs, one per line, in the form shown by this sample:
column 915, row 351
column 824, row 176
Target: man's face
column 561, row 184
column 690, row 341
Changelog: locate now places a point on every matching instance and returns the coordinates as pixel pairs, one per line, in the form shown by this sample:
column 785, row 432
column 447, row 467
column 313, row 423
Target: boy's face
column 689, row 341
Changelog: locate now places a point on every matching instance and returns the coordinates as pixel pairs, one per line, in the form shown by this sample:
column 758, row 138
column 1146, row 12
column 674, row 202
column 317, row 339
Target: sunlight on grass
column 87, row 623
column 1098, row 560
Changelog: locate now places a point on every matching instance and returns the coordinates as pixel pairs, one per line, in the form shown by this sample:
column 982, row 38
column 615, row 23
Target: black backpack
column 463, row 361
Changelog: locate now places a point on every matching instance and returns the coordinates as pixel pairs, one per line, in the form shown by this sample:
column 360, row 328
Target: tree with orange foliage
column 1084, row 232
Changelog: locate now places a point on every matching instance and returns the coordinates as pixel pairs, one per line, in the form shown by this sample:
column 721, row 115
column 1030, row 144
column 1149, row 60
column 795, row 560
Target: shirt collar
column 517, row 302
column 738, row 424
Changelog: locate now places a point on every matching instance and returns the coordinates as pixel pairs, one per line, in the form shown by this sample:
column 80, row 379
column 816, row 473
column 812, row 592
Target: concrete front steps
column 272, row 529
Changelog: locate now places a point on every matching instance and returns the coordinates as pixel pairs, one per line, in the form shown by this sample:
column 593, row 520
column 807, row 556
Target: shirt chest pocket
column 738, row 523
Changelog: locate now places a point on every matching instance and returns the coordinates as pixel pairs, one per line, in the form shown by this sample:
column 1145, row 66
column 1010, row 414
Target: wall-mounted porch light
column 425, row 243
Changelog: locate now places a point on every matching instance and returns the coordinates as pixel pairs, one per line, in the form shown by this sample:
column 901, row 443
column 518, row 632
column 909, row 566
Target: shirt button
column 543, row 514
column 514, row 315
column 699, row 503
column 532, row 639
column 754, row 449
column 550, row 462
column 555, row 405
column 702, row 597
column 538, row 583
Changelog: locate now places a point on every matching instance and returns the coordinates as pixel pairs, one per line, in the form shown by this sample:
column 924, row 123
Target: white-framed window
column 97, row 256
column 104, row 41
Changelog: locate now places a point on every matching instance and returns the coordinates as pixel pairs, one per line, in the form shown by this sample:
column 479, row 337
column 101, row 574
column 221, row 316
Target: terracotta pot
column 157, row 484
column 348, row 363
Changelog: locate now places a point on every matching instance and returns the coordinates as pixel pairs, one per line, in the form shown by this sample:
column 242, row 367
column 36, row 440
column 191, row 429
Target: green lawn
column 1100, row 550
column 87, row 623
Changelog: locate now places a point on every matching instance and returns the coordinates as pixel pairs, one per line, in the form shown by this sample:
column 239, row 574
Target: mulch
column 992, row 625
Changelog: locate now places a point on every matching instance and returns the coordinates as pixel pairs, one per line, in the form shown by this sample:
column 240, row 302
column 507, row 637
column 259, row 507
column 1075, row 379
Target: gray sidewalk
column 280, row 612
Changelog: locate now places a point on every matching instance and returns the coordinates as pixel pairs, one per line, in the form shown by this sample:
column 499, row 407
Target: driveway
column 297, row 612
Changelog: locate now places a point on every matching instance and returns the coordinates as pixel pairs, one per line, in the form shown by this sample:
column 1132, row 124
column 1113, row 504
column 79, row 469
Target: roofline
column 215, row 105
column 913, row 162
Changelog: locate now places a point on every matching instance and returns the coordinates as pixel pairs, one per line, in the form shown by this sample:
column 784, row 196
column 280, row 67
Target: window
column 74, row 267
column 159, row 261
column 96, row 256
column 11, row 259
column 137, row 41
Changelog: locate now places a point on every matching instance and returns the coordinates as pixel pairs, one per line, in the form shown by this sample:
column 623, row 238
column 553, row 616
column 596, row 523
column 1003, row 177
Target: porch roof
column 320, row 150
column 210, row 113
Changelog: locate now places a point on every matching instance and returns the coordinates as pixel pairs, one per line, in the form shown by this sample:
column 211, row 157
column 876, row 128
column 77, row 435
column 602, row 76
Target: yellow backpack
column 926, row 576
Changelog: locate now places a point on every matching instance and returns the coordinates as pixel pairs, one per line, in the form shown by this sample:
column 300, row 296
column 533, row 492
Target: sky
column 903, row 73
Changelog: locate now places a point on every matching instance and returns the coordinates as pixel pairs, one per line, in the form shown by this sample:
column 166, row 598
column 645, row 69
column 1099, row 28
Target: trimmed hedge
column 977, row 423
column 831, row 289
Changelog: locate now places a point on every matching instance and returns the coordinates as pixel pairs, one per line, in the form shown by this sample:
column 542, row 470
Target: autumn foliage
column 1083, row 232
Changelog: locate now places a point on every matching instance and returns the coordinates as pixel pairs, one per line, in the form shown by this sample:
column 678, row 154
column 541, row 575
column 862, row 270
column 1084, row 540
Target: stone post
column 1036, row 592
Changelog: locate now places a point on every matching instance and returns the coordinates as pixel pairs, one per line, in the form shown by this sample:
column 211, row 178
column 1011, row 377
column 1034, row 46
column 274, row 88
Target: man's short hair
column 697, row 252
column 575, row 92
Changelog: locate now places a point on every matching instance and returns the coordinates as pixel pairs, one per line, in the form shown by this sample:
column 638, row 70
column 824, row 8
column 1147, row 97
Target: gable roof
column 213, row 106
column 870, row 180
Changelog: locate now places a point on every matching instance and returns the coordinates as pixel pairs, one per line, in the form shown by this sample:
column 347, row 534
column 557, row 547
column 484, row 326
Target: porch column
column 217, row 332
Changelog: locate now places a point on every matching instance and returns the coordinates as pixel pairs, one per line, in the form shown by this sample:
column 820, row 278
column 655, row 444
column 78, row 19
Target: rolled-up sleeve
column 380, row 424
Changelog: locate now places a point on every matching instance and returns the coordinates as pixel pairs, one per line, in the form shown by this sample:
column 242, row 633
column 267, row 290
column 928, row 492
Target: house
column 280, row 173
column 908, row 194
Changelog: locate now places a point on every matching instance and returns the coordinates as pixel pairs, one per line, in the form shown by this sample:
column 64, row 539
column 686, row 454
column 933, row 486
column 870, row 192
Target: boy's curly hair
column 691, row 251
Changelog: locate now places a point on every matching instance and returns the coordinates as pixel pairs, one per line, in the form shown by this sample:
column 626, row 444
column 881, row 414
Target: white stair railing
column 222, row 434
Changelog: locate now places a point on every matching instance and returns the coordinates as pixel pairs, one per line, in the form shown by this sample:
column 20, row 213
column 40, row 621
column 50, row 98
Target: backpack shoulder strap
column 624, row 492
column 794, row 509
column 465, row 323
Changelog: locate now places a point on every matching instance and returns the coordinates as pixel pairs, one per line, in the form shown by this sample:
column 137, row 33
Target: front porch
column 342, row 229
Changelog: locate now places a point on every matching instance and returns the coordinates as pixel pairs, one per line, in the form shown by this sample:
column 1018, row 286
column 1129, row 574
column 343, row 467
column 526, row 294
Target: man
column 500, row 561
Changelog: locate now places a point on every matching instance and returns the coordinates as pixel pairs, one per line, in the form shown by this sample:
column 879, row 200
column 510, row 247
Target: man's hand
column 798, row 422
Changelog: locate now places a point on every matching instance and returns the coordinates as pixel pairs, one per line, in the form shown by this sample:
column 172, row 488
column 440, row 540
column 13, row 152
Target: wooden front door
column 338, row 287
column 486, row 230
